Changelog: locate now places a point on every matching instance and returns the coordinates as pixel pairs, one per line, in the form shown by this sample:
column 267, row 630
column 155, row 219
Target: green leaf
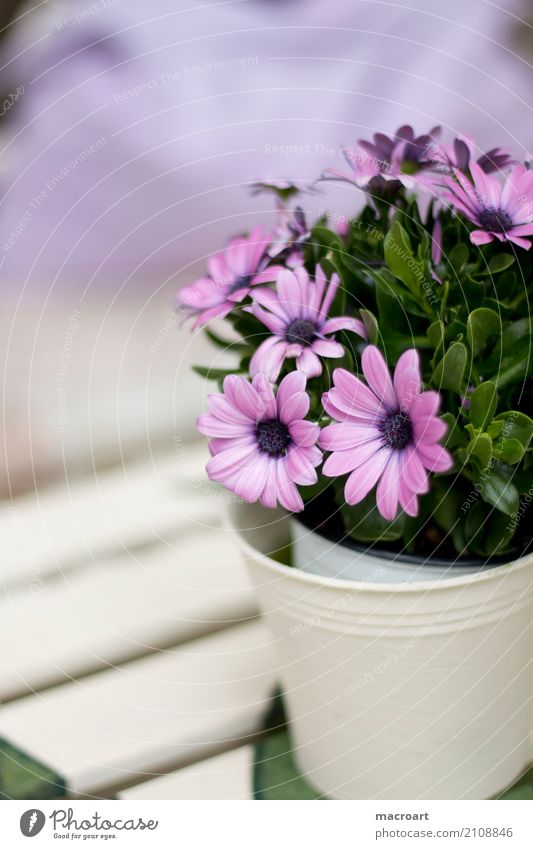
column 500, row 532
column 458, row 257
column 494, row 429
column 455, row 435
column 475, row 527
column 401, row 260
column 405, row 303
column 483, row 402
column 449, row 373
column 498, row 263
column 326, row 238
column 516, row 426
column 390, row 317
column 514, row 373
column 435, row 334
column 365, row 523
column 480, row 449
column 496, row 487
column 509, row 451
column 482, row 325
column 371, row 326
column 523, row 481
column 217, row 340
column 446, row 508
column 213, row 373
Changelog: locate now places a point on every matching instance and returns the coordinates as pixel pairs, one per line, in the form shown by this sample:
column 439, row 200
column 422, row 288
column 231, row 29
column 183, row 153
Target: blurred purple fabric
column 127, row 156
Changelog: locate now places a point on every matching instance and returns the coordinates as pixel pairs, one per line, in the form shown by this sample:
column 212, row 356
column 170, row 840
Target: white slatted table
column 131, row 658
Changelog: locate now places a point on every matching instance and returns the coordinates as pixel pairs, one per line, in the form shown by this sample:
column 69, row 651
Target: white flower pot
column 406, row 689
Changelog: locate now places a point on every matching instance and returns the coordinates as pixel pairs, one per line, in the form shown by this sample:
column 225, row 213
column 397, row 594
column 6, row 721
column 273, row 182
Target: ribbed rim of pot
column 340, row 583
column 400, row 557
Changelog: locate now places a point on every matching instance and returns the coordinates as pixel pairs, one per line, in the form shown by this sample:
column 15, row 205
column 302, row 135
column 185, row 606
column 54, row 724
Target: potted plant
column 382, row 400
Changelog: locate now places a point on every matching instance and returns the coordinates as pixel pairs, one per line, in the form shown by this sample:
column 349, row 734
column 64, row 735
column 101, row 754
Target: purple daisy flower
column 232, row 273
column 387, row 163
column 387, row 432
column 290, row 234
column 261, row 444
column 500, row 212
column 413, row 153
column 297, row 315
column 462, row 152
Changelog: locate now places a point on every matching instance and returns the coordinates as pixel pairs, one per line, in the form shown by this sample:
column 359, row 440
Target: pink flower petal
column 288, row 495
column 387, row 493
column 221, row 444
column 408, row 500
column 344, row 323
column 319, row 288
column 407, row 379
column 327, row 348
column 429, row 428
column 268, row 275
column 521, row 230
column 238, row 295
column 292, row 400
column 329, row 297
column 296, row 406
column 365, row 477
column 346, row 435
column 219, row 406
column 274, row 323
column 269, row 357
column 412, row 472
column 220, row 311
column 252, row 479
column 341, row 462
column 299, row 467
column 219, row 271
column 488, row 187
column 211, row 426
column 290, row 295
column 231, row 460
column 266, row 393
column 291, row 383
column 353, row 396
column 377, row 375
column 313, row 454
column 481, row 237
column 434, row 457
column 201, row 294
column 242, row 395
column 303, row 433
column 517, row 240
column 237, row 257
column 426, row 404
column 270, row 300
column 517, row 186
column 269, row 495
column 309, row 363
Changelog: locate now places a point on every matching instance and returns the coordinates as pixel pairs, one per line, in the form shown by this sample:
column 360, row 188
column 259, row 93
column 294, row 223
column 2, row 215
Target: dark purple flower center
column 495, row 220
column 273, row 437
column 397, row 430
column 242, row 282
column 301, row 330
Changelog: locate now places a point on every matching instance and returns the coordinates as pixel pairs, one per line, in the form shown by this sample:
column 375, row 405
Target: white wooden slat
column 120, row 608
column 226, row 776
column 150, row 715
column 50, row 530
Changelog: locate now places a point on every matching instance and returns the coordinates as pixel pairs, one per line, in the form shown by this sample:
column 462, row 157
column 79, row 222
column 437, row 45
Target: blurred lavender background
column 129, row 134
